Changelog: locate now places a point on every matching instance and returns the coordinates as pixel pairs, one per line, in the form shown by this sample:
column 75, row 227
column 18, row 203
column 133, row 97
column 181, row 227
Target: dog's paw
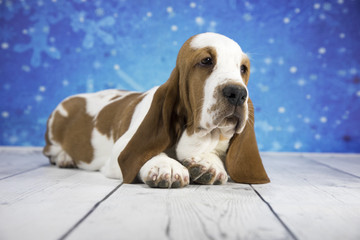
column 206, row 169
column 63, row 160
column 164, row 172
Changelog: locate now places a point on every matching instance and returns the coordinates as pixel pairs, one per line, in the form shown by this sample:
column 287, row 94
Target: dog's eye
column 243, row 69
column 206, row 61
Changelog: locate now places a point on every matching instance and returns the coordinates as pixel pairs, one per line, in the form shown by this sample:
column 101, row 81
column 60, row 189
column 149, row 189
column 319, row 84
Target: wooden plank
column 231, row 211
column 15, row 160
column 349, row 163
column 46, row 202
column 314, row 201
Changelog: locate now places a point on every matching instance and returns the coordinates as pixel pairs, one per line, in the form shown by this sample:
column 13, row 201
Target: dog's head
column 214, row 73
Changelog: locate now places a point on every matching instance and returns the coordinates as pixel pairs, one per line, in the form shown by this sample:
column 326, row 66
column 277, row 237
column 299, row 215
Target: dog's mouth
column 232, row 124
column 235, row 119
column 229, row 121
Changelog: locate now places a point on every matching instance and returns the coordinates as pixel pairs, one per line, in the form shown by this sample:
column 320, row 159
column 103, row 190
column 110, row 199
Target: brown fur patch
column 73, row 132
column 245, row 61
column 192, row 81
column 243, row 161
column 159, row 131
column 114, row 119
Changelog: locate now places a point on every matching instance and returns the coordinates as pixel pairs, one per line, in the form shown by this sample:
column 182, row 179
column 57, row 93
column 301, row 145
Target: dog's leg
column 201, row 155
column 60, row 158
column 164, row 172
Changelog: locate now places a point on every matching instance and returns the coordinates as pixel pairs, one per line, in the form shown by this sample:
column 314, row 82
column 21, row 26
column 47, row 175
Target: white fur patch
column 102, row 146
column 61, row 110
column 95, row 102
column 162, row 167
column 213, row 40
column 195, row 144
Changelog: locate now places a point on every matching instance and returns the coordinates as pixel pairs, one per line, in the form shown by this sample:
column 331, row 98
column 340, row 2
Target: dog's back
column 72, row 126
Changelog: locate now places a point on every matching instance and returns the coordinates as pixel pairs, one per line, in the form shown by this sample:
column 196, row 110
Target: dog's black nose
column 236, row 95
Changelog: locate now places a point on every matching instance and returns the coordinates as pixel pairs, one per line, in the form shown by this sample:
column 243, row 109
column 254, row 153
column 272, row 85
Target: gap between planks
column 89, row 213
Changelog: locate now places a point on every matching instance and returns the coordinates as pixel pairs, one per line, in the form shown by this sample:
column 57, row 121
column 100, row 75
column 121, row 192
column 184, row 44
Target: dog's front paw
column 206, row 169
column 164, row 172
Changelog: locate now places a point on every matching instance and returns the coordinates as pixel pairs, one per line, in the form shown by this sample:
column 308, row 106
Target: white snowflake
column 327, row 6
column 353, row 71
column 169, row 9
column 5, row 114
column 262, row 87
column 212, row 27
column 281, row 110
column 247, row 17
column 297, row 145
column 341, row 72
column 322, row 50
column 322, row 16
column 25, row 68
column 99, row 12
column 281, row 61
column 293, row 69
column 28, row 110
column 13, row 139
column 199, row 21
column 317, row 6
column 323, row 119
column 65, row 82
column 313, row 76
column 5, row 45
column 290, row 129
column 264, row 126
column 342, row 50
column 268, row 60
column 174, row 28
column 97, row 64
column 301, row 82
column 38, row 98
column 90, row 85
column 276, row 146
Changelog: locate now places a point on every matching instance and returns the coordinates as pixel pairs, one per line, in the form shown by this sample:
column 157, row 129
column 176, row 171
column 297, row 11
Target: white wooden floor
column 311, row 196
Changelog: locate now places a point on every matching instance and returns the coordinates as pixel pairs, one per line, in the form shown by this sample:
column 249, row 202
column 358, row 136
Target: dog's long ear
column 157, row 132
column 243, row 161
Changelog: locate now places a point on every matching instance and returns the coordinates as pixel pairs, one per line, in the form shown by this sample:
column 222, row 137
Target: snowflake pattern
column 305, row 80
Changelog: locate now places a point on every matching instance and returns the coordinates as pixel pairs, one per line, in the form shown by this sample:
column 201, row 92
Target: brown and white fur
column 183, row 131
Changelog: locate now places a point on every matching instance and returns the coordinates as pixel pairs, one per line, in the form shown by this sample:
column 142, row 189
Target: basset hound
column 198, row 127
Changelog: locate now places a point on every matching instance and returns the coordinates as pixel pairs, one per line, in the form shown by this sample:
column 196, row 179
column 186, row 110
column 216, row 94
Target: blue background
column 305, row 73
